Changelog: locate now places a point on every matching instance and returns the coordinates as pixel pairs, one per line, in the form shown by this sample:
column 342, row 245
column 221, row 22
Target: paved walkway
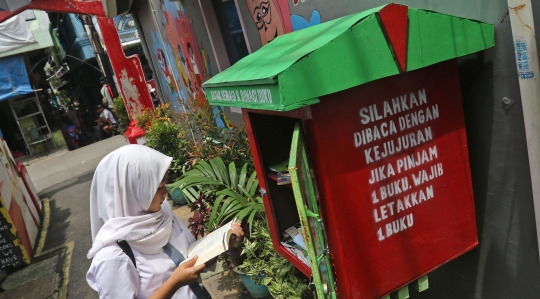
column 64, row 165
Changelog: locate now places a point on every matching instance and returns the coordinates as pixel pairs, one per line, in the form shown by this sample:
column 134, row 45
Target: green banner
column 252, row 96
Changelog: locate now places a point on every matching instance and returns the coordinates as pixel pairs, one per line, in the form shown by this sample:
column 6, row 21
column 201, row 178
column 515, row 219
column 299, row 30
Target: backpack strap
column 127, row 250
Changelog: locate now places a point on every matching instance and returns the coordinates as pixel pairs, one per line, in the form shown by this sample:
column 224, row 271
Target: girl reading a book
column 138, row 242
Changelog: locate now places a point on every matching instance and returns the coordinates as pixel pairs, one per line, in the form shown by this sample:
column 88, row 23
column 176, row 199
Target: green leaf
column 233, row 176
column 242, row 179
column 215, row 209
column 220, row 170
column 249, row 182
column 205, row 168
column 234, row 195
column 226, row 212
column 191, row 181
column 244, row 212
column 190, row 194
column 250, row 219
column 254, row 184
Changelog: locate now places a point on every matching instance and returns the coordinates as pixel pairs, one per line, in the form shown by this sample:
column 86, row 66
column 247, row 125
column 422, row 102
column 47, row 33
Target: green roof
column 297, row 68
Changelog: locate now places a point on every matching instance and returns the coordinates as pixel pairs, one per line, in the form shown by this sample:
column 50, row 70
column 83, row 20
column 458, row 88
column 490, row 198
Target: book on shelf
column 296, row 250
column 283, row 178
column 212, row 245
column 293, row 241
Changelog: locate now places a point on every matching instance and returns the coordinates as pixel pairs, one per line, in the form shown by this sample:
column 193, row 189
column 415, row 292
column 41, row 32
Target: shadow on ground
column 51, row 191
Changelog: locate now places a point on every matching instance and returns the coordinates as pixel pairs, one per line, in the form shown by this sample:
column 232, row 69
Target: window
column 231, row 29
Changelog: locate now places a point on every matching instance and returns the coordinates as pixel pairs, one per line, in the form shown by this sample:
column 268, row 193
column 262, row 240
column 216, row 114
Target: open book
column 212, row 245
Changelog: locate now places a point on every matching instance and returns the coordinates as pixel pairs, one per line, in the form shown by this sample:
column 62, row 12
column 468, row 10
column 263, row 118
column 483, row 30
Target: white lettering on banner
column 250, row 96
column 228, row 95
column 265, row 97
column 216, row 95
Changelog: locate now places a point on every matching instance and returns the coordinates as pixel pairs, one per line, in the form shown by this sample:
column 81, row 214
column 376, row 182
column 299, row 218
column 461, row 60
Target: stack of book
column 293, row 241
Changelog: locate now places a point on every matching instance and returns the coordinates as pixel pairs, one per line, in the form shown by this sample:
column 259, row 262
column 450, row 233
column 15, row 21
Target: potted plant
column 265, row 266
column 235, row 194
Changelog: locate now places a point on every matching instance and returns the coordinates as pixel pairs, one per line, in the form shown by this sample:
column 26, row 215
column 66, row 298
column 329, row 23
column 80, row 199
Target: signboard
column 11, row 249
column 394, row 152
column 127, row 31
column 18, row 218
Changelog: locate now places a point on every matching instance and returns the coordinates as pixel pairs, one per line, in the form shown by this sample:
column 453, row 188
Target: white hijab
column 123, row 187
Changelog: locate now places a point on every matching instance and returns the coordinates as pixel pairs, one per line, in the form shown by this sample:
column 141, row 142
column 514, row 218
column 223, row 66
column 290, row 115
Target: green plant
column 236, row 193
column 145, row 119
column 265, row 265
column 201, row 208
column 230, row 143
column 172, row 140
column 121, row 112
column 231, row 146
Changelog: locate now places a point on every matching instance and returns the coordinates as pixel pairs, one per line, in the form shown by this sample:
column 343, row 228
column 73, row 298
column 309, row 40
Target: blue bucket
column 177, row 196
column 255, row 290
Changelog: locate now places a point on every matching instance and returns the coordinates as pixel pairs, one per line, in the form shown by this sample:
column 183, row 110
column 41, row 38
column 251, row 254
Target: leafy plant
column 172, row 140
column 265, row 265
column 236, row 193
column 145, row 119
column 201, row 209
column 163, row 112
column 230, row 143
column 231, row 146
column 121, row 112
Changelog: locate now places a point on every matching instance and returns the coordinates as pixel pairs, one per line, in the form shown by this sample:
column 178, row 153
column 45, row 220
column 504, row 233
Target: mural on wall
column 191, row 67
column 183, row 62
column 303, row 15
column 165, row 69
column 271, row 18
column 275, row 17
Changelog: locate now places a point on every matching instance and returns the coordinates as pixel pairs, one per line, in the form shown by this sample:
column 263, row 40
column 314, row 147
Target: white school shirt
column 113, row 275
column 108, row 115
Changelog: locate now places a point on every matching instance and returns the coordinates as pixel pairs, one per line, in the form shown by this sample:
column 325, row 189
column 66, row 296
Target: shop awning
column 297, row 68
column 13, row 78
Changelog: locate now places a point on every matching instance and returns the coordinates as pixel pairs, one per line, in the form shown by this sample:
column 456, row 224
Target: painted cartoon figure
column 272, row 18
column 195, row 67
column 164, row 66
column 206, row 61
column 182, row 67
column 194, row 64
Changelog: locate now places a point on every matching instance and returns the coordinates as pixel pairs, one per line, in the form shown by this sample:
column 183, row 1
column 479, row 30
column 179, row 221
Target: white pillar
column 521, row 19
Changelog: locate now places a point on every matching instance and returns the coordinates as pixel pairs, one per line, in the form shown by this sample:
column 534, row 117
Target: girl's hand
column 187, row 273
column 239, row 234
